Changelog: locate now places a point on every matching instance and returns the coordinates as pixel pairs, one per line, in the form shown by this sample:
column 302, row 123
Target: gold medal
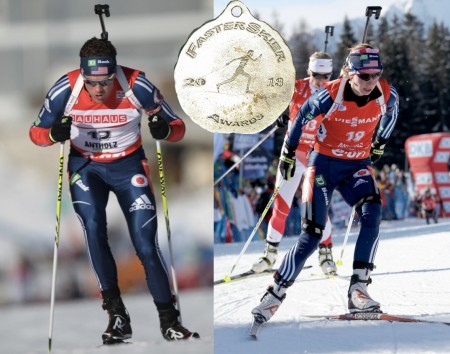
column 235, row 73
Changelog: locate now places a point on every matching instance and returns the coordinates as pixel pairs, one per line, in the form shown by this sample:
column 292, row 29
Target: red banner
column 428, row 156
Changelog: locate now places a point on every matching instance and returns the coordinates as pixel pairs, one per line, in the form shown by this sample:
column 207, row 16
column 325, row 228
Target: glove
column 159, row 128
column 377, row 149
column 287, row 162
column 282, row 121
column 60, row 131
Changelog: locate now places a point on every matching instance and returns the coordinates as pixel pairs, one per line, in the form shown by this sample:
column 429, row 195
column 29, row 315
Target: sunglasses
column 102, row 83
column 367, row 77
column 321, row 76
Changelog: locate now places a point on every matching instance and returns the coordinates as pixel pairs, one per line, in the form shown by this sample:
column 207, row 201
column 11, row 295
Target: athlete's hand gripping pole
column 55, row 251
column 227, row 277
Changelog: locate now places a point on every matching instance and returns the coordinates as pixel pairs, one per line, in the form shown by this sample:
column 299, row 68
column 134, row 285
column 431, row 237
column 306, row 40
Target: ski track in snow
column 78, row 326
column 412, row 278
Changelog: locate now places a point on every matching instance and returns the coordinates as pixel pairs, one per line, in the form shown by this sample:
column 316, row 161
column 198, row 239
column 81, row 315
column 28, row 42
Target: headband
column 364, row 60
column 320, row 65
column 104, row 65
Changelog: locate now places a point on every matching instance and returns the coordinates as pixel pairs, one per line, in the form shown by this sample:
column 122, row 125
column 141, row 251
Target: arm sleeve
column 52, row 110
column 153, row 102
column 389, row 119
column 318, row 103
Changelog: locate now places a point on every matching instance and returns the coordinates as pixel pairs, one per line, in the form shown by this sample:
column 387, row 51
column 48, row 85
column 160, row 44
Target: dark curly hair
column 97, row 47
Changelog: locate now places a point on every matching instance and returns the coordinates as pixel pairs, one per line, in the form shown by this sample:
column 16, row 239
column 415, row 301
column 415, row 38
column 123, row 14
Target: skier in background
column 348, row 143
column 428, row 206
column 88, row 106
column 319, row 71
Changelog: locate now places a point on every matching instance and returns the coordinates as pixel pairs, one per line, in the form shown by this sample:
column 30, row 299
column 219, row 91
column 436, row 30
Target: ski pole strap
column 74, row 95
column 126, row 87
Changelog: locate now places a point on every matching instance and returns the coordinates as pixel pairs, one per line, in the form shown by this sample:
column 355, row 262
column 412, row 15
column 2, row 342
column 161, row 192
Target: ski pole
column 227, row 277
column 166, row 216
column 347, row 233
column 371, row 10
column 329, row 30
column 55, row 250
column 246, row 154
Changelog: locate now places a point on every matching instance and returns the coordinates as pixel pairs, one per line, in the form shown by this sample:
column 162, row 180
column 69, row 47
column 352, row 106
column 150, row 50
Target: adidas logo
column 142, row 203
column 358, row 182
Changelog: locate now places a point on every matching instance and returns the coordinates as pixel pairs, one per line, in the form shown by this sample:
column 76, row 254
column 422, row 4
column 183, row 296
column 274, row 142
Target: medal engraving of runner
column 235, row 73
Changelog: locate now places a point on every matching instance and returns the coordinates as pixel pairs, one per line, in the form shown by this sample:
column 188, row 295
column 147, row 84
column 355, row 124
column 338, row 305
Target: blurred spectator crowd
column 239, row 202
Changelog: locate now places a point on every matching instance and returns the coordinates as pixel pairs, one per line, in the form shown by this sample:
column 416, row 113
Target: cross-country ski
column 411, row 284
column 375, row 316
column 247, row 274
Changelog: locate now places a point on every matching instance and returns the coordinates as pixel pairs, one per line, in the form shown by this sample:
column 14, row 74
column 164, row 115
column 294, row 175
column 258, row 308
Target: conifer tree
column 347, row 40
column 302, row 46
column 436, row 86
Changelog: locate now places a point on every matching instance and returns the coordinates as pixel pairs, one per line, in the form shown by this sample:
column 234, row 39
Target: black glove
column 282, row 121
column 159, row 128
column 60, row 131
column 287, row 162
column 377, row 149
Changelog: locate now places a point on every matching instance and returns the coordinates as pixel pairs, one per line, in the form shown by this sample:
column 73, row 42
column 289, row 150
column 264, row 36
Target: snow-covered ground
column 412, row 278
column 78, row 327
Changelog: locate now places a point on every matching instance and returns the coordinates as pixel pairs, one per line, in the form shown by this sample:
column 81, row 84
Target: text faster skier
column 98, row 107
column 343, row 154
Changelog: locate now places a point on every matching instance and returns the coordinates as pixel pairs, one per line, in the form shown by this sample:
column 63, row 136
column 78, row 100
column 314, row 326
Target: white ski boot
column 267, row 260
column 326, row 261
column 270, row 302
column 359, row 299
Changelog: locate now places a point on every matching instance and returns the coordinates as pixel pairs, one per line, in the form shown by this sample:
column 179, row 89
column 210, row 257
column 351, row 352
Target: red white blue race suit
column 106, row 155
column 341, row 159
column 283, row 200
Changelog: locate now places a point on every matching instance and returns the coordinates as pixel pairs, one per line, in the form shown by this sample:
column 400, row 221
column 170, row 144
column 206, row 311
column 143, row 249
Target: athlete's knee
column 146, row 252
column 369, row 209
column 312, row 228
column 92, row 226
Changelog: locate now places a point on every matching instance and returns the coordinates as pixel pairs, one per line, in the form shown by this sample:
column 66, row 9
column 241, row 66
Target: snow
column 78, row 325
column 411, row 278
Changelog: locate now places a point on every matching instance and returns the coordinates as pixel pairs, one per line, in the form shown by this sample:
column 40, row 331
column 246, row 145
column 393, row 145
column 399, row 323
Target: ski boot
column 359, row 299
column 270, row 302
column 171, row 328
column 267, row 260
column 119, row 327
column 326, row 261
